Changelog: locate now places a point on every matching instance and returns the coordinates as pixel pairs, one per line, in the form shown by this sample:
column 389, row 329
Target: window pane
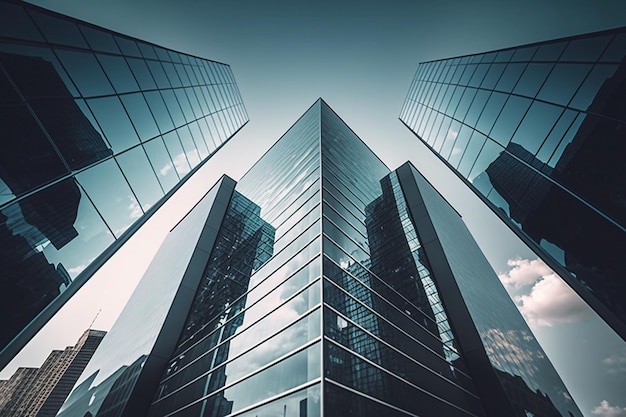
column 27, row 159
column 563, row 83
column 59, row 31
column 111, row 194
column 493, row 75
column 79, row 142
column 100, row 40
column 119, row 73
column 140, row 115
column 161, row 115
column 490, row 112
column 587, row 49
column 532, row 79
column 550, row 51
column 175, row 149
column 114, row 122
column 471, row 152
column 159, row 74
column 141, row 177
column 536, row 125
column 142, row 74
column 162, row 163
column 174, row 109
column 86, row 72
column 189, row 146
column 509, row 77
column 509, row 119
column 15, row 23
column 128, row 46
column 600, row 75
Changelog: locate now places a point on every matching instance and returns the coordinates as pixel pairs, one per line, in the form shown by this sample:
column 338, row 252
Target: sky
column 360, row 56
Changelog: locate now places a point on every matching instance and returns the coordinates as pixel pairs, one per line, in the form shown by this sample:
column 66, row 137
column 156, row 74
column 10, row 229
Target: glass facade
column 319, row 298
column 537, row 131
column 97, row 130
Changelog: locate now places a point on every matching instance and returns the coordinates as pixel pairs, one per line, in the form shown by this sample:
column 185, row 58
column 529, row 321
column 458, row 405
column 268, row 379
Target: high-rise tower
column 320, row 284
column 537, row 131
column 98, row 129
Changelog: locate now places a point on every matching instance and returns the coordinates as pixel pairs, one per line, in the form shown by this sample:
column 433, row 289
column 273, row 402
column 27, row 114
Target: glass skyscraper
column 537, row 131
column 320, row 284
column 98, row 129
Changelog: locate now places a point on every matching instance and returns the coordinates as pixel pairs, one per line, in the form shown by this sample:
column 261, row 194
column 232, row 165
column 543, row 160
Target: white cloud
column 550, row 302
column 524, row 272
column 134, row 209
column 616, row 364
column 606, row 410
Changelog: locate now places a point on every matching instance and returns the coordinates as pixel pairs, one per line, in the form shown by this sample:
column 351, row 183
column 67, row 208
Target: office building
column 98, row 129
column 40, row 392
column 537, row 131
column 320, row 284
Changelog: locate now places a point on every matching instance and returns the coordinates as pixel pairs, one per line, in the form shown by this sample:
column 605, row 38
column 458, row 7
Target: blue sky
column 360, row 56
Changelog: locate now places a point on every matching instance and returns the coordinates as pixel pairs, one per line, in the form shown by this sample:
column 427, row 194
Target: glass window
column 194, row 102
column 479, row 74
column 142, row 73
column 140, row 175
column 159, row 74
column 488, row 154
column 509, row 119
column 162, row 163
column 616, row 50
column 182, row 74
column 59, row 31
column 171, row 74
column 140, row 115
column 99, row 40
column 536, row 125
column 114, row 122
column 600, row 74
column 191, row 75
column 128, row 46
column 109, row 191
column 147, row 50
column 200, row 91
column 184, row 104
column 454, row 101
column 450, row 138
column 555, row 136
column 464, row 104
column 196, row 134
column 504, row 56
column 172, row 106
column 177, row 152
column 72, row 131
column 161, row 115
column 457, row 74
column 459, row 146
column 36, row 71
column 207, row 134
column 162, row 54
column 474, row 146
column 467, row 74
column 15, row 23
column 302, row 403
column 586, row 49
column 532, row 79
column 509, row 77
column 189, row 146
column 86, row 72
column 28, row 159
column 477, row 107
column 523, row 54
column 550, row 51
column 567, row 139
column 490, row 112
column 493, row 75
column 174, row 56
column 119, row 73
column 563, row 82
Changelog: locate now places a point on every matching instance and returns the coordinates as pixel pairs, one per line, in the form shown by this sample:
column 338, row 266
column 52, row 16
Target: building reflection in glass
column 320, row 297
column 537, row 131
column 97, row 129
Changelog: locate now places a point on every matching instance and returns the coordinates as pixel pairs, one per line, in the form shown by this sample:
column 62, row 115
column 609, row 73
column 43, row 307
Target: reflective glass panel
column 162, row 163
column 58, row 31
column 140, row 115
column 140, row 175
column 114, row 122
column 109, row 191
column 118, row 72
column 536, row 125
column 86, row 72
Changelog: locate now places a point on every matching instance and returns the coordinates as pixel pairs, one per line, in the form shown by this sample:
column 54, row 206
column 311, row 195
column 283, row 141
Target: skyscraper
column 40, row 392
column 320, row 284
column 98, row 129
column 537, row 131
